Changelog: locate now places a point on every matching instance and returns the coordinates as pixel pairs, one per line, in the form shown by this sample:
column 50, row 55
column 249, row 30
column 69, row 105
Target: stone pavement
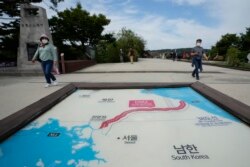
column 18, row 92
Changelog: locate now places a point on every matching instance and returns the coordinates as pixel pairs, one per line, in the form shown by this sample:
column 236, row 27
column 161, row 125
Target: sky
column 169, row 24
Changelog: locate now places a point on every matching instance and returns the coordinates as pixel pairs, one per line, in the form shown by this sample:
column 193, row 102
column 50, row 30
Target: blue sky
column 170, row 23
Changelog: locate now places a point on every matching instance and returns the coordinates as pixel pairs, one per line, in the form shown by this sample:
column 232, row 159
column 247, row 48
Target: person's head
column 44, row 39
column 198, row 42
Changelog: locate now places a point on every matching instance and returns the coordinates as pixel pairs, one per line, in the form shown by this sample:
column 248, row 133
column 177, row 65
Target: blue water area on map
column 31, row 145
column 193, row 98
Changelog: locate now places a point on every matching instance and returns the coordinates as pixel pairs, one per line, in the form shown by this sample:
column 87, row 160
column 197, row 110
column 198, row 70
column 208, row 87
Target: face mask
column 198, row 44
column 45, row 41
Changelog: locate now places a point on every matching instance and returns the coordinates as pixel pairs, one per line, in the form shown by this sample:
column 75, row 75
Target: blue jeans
column 200, row 65
column 47, row 67
column 197, row 65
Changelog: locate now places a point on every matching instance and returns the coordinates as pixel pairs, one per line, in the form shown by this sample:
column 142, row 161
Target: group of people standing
column 173, row 55
column 131, row 55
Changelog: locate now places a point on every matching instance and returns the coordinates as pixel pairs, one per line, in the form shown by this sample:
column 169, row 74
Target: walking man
column 197, row 54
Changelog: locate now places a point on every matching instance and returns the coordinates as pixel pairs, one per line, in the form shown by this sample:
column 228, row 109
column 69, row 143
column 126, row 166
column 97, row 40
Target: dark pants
column 197, row 65
column 200, row 65
column 201, row 69
column 47, row 67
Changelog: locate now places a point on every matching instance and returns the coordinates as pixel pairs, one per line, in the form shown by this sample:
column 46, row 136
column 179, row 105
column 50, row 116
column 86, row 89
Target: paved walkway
column 18, row 92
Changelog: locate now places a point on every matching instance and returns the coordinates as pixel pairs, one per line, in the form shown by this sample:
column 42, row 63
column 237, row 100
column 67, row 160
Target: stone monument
column 33, row 24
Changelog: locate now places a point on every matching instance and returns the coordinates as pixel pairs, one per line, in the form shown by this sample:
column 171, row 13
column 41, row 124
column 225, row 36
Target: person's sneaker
column 193, row 75
column 47, row 85
column 54, row 83
column 197, row 78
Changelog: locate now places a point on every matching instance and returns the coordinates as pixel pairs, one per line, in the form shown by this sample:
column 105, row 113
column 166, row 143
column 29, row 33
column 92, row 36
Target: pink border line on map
column 125, row 113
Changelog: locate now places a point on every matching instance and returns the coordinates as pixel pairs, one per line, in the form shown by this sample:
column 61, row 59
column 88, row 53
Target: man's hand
column 33, row 61
column 194, row 53
column 205, row 56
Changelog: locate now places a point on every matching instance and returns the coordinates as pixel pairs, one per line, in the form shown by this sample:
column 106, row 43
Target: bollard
column 62, row 63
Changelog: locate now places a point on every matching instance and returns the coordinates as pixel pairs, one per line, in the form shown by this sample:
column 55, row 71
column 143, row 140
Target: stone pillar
column 33, row 24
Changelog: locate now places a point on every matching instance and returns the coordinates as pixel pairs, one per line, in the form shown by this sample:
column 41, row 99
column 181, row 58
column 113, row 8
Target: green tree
column 108, row 50
column 76, row 28
column 128, row 39
column 245, row 41
column 10, row 28
column 213, row 52
column 9, row 40
column 244, row 45
column 232, row 56
column 226, row 42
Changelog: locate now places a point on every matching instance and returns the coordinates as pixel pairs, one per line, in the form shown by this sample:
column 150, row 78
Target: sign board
column 157, row 126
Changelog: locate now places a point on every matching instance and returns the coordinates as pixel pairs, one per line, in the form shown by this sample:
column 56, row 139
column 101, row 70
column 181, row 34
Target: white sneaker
column 54, row 83
column 47, row 85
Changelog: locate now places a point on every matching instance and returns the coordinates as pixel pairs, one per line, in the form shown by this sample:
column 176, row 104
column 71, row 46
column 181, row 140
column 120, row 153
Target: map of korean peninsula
column 131, row 127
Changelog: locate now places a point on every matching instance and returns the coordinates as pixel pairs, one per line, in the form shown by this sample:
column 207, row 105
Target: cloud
column 232, row 14
column 131, row 10
column 163, row 31
column 160, row 32
column 189, row 2
column 184, row 2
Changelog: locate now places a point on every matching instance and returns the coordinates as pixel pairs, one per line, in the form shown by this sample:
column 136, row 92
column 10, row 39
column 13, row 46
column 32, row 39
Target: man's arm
column 54, row 54
column 193, row 53
column 205, row 56
column 35, row 56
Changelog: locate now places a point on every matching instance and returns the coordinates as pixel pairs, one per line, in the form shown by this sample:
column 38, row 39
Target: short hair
column 199, row 40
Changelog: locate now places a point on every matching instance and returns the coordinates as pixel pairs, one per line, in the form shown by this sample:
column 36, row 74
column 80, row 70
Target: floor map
column 162, row 127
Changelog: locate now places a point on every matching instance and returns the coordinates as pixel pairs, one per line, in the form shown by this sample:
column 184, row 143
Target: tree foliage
column 226, row 45
column 109, row 50
column 75, row 27
column 245, row 40
column 9, row 36
column 9, row 30
column 232, row 56
column 128, row 39
column 11, row 8
column 244, row 46
column 226, row 42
